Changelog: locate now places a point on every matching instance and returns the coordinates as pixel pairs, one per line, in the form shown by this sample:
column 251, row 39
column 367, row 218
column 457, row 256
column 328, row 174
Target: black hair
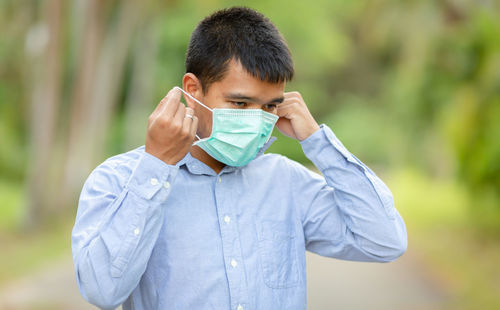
column 243, row 35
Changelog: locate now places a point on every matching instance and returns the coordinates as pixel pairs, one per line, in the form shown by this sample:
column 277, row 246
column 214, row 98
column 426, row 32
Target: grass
column 11, row 202
column 439, row 224
column 23, row 252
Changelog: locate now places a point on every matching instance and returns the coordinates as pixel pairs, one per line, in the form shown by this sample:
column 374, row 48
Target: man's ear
column 192, row 85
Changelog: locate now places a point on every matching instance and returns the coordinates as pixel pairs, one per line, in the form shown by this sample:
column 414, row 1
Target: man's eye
column 239, row 103
column 271, row 106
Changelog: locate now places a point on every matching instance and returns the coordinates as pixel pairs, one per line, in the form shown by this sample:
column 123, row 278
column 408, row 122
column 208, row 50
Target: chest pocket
column 278, row 254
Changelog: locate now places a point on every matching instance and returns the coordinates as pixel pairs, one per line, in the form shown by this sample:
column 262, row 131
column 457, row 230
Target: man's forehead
column 235, row 71
column 239, row 84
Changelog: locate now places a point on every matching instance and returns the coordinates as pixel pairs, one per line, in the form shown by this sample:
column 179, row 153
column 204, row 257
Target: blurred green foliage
column 402, row 83
column 10, row 211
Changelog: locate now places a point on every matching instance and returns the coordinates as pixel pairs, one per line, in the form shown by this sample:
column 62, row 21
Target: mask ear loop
column 196, row 100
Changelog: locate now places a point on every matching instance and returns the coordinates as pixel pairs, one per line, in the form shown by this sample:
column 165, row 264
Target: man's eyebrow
column 238, row 96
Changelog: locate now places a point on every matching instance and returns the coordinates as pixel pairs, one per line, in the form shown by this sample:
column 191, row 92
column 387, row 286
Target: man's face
column 238, row 90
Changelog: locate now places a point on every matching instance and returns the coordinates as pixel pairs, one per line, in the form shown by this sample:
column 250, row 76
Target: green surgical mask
column 237, row 134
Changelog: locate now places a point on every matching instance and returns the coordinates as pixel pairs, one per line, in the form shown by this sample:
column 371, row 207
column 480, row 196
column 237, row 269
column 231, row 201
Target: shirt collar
column 266, row 146
column 196, row 166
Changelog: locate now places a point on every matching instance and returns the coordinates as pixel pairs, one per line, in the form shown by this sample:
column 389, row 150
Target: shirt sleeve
column 348, row 213
column 118, row 221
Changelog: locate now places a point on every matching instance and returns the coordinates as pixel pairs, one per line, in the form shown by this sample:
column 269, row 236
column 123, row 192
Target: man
column 200, row 218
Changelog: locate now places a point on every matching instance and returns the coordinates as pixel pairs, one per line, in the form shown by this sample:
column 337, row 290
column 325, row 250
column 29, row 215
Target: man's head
column 242, row 35
column 236, row 59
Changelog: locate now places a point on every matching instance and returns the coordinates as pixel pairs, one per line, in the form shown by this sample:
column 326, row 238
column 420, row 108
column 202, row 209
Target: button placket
column 230, row 244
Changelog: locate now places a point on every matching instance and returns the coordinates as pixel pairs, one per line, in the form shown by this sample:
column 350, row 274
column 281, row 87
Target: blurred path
column 53, row 288
column 332, row 284
column 404, row 284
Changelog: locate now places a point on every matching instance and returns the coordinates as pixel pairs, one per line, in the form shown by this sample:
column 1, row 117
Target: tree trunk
column 96, row 92
column 45, row 102
column 140, row 95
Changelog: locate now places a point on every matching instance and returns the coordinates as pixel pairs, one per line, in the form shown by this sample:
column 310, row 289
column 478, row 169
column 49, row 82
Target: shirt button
column 234, row 263
column 154, row 181
column 240, row 307
column 166, row 184
column 220, row 180
column 227, row 219
column 136, row 231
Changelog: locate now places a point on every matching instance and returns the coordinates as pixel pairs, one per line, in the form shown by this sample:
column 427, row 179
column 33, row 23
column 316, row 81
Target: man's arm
column 118, row 221
column 120, row 211
column 349, row 214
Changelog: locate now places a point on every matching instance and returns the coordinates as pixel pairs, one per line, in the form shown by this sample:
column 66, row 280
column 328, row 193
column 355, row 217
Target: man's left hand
column 295, row 119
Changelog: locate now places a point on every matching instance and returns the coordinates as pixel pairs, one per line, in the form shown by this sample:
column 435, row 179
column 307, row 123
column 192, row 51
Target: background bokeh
column 412, row 88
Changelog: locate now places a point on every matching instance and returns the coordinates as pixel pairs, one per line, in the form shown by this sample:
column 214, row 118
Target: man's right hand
column 171, row 130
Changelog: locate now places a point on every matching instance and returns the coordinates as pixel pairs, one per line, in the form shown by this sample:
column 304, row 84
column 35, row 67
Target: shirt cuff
column 318, row 148
column 152, row 178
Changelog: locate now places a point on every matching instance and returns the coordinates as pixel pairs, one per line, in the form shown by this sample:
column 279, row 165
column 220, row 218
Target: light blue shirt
column 157, row 236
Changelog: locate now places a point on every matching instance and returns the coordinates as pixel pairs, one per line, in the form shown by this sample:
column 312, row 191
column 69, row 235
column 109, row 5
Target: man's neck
column 208, row 160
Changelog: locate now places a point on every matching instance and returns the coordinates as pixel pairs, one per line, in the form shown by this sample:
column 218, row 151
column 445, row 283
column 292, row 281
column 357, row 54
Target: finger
column 194, row 126
column 160, row 106
column 173, row 103
column 285, row 109
column 288, row 103
column 180, row 114
column 189, row 111
column 285, row 127
column 292, row 94
column 188, row 119
column 292, row 97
